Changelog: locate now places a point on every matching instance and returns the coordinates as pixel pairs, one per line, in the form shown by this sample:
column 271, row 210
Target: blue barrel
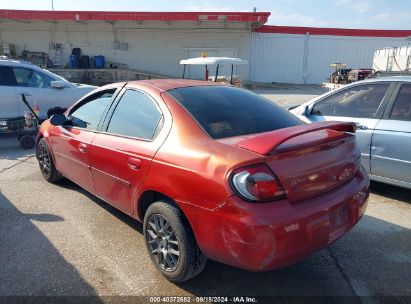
column 74, row 61
column 99, row 61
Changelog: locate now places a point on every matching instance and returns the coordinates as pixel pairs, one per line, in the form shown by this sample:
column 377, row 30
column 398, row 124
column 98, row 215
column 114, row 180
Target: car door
column 35, row 85
column 9, row 107
column 391, row 142
column 71, row 142
column 363, row 104
column 121, row 155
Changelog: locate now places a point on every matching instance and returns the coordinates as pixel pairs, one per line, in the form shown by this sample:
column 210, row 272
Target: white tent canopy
column 214, row 61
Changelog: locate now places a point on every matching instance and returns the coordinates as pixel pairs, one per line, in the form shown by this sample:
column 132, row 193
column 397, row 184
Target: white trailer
column 393, row 59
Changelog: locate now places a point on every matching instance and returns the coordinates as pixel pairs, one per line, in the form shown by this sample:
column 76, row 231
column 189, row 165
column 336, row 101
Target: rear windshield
column 224, row 111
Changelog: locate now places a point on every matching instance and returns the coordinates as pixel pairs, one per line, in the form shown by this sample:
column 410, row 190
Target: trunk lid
column 308, row 160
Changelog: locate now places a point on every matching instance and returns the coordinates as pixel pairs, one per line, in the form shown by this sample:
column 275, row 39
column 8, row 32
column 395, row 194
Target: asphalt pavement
column 58, row 240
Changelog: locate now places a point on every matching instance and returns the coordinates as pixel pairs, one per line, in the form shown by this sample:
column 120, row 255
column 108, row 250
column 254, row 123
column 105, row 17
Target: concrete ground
column 60, row 240
column 288, row 95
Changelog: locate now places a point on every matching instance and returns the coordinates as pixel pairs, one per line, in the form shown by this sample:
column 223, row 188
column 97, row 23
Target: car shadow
column 390, row 191
column 342, row 269
column 133, row 223
column 30, row 264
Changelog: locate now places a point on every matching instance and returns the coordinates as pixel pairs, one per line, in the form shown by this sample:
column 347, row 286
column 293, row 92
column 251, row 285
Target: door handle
column 361, row 127
column 82, row 148
column 134, row 163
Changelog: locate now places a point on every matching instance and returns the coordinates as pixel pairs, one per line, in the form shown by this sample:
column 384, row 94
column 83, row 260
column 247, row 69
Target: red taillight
column 257, row 183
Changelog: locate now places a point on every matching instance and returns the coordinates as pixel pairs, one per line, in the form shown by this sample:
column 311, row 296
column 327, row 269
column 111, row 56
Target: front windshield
column 54, row 76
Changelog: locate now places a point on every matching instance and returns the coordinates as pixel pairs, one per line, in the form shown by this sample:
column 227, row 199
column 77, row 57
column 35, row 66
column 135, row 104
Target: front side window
column 89, row 113
column 402, row 105
column 359, row 101
column 136, row 115
column 224, row 111
column 31, row 78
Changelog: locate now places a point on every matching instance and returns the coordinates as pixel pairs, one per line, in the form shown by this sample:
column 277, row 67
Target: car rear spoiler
column 265, row 143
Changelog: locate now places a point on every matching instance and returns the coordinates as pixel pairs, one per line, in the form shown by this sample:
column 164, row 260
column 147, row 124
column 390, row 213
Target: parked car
column 43, row 89
column 212, row 170
column 381, row 107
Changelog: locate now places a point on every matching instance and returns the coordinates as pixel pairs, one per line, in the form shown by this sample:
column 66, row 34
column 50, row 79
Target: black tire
column 46, row 163
column 162, row 243
column 336, row 79
column 27, row 142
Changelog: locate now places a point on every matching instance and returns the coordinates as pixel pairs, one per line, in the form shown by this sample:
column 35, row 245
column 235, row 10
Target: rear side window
column 136, row 115
column 402, row 106
column 89, row 114
column 31, row 78
column 359, row 101
column 224, row 111
column 7, row 76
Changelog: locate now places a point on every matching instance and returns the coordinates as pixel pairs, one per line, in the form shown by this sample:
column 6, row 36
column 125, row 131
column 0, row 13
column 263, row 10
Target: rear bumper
column 265, row 236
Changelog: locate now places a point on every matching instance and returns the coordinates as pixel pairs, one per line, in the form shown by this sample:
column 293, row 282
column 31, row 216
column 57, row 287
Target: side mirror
column 58, row 120
column 57, row 84
column 307, row 111
column 55, row 110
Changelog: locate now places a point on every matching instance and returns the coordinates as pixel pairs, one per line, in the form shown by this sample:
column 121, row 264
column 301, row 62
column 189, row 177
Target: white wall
column 153, row 47
column 158, row 47
column 289, row 58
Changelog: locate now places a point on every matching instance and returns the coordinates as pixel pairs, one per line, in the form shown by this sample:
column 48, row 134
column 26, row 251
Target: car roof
column 26, row 64
column 353, row 84
column 169, row 84
column 214, row 60
column 404, row 78
column 20, row 63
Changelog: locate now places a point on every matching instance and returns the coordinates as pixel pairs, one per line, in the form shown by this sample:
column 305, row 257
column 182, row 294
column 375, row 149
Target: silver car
column 43, row 90
column 381, row 107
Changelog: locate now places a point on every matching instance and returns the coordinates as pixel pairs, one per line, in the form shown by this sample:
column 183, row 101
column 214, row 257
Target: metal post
column 184, row 71
column 206, row 73
column 232, row 72
column 305, row 58
column 216, row 73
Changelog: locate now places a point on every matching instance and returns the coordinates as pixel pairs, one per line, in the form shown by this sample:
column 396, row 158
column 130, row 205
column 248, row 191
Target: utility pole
column 52, row 5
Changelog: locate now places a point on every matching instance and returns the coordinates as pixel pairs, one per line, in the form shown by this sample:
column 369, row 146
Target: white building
column 303, row 55
column 156, row 41
column 150, row 41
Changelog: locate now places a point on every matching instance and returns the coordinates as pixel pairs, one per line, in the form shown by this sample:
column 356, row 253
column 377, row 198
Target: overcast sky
column 378, row 14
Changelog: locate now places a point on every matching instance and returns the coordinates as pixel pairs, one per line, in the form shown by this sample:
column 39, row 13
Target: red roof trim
column 259, row 17
column 332, row 31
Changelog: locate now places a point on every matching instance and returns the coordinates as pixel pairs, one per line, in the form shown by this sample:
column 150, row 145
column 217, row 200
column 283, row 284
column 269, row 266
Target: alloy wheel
column 44, row 160
column 163, row 242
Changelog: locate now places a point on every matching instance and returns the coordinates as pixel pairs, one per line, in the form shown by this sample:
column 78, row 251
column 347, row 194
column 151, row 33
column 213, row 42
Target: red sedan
column 212, row 170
